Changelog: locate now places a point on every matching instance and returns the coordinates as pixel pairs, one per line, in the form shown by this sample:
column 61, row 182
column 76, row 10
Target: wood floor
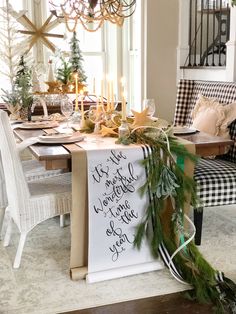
column 165, row 304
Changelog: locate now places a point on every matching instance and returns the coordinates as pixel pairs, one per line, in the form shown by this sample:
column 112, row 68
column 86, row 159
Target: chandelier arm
column 117, row 7
column 67, row 25
column 86, row 27
column 86, row 11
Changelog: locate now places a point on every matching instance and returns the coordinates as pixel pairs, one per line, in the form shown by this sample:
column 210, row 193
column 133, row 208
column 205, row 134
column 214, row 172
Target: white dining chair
column 29, row 203
column 33, row 170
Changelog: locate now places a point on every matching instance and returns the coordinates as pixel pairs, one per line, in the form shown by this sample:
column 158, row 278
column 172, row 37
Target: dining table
column 59, row 156
column 92, row 226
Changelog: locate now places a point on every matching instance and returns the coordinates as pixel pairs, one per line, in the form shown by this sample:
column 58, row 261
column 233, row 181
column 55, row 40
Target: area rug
column 42, row 284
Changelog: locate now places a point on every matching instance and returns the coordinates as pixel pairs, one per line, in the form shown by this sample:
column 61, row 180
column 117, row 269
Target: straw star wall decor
column 40, row 33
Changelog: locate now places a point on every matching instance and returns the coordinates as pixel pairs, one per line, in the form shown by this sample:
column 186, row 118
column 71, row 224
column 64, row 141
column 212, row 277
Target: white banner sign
column 116, row 208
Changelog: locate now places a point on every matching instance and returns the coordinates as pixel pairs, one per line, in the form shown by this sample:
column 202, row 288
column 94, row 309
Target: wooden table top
column 208, row 145
column 59, row 156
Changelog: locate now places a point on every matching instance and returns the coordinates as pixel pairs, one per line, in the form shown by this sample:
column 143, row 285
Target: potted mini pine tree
column 22, row 84
column 76, row 60
column 64, row 75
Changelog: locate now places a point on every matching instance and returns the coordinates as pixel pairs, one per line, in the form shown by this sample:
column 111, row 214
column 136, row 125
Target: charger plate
column 181, row 130
column 38, row 125
column 54, row 136
column 75, row 137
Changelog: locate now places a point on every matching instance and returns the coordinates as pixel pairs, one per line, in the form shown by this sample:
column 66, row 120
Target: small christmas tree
column 50, row 72
column 64, row 73
column 76, row 59
column 22, row 83
column 35, row 81
column 23, row 71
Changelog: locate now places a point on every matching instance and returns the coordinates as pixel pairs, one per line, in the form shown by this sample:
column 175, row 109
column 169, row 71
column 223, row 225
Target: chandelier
column 92, row 13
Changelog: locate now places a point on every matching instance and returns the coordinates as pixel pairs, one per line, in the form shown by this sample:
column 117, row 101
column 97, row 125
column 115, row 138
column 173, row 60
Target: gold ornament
column 141, row 118
column 105, row 131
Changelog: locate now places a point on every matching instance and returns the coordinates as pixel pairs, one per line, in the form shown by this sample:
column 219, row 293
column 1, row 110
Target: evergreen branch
column 166, row 180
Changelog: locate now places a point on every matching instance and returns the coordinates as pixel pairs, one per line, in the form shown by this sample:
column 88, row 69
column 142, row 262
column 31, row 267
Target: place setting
column 184, row 130
column 30, row 125
column 60, row 138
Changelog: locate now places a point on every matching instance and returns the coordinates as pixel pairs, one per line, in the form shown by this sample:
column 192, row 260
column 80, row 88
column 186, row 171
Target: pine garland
column 169, row 189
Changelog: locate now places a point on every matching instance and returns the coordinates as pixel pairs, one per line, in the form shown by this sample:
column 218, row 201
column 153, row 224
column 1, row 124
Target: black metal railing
column 209, row 25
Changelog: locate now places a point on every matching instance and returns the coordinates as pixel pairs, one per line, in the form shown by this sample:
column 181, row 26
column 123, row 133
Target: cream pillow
column 211, row 117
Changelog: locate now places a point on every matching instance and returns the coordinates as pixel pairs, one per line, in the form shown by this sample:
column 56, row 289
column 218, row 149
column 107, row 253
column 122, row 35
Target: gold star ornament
column 105, row 131
column 141, row 118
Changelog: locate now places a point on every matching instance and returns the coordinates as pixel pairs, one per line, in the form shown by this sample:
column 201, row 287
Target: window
column 111, row 51
column 6, row 44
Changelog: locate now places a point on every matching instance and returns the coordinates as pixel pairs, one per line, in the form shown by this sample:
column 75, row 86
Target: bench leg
column 198, row 216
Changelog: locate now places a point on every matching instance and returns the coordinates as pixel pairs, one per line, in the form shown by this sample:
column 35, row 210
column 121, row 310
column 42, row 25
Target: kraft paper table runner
column 79, row 216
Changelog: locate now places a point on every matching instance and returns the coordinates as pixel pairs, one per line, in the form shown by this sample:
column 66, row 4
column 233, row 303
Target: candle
column 97, row 100
column 82, row 104
column 108, row 95
column 123, row 103
column 112, row 96
column 76, row 92
column 102, row 92
column 123, row 117
column 94, row 86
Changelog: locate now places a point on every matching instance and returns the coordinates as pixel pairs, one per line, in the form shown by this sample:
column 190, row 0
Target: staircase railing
column 209, row 25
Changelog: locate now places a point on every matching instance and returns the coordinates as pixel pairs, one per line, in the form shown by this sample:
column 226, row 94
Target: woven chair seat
column 49, row 197
column 34, row 170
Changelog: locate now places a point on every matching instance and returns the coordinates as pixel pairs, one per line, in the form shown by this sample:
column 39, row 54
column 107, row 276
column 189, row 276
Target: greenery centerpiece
column 169, row 190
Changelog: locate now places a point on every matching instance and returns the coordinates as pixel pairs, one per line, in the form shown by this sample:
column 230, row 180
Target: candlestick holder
column 123, row 129
column 76, row 117
column 83, row 124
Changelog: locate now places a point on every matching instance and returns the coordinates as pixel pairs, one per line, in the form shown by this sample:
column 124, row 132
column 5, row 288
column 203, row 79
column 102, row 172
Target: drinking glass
column 66, row 110
column 96, row 115
column 150, row 104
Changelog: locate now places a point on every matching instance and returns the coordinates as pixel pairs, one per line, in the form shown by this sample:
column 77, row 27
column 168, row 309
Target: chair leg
column 198, row 217
column 62, row 221
column 7, row 237
column 19, row 250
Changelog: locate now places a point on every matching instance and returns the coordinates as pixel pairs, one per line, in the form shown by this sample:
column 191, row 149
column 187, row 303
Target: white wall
column 162, row 41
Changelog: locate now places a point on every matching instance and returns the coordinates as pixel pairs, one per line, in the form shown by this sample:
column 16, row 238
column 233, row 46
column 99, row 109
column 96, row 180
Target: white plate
column 178, row 130
column 54, row 136
column 38, row 125
column 75, row 137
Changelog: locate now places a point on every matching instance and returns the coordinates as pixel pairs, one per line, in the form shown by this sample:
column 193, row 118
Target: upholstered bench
column 216, row 178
